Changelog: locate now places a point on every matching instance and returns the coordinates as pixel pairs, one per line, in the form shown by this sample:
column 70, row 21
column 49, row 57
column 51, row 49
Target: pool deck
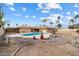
column 37, row 36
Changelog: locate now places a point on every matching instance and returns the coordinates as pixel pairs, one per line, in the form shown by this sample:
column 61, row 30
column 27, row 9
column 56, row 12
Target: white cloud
column 53, row 6
column 49, row 6
column 45, row 11
column 12, row 9
column 76, row 5
column 40, row 5
column 68, row 13
column 3, row 19
column 26, row 16
column 52, row 17
column 69, row 17
column 24, row 9
column 11, row 4
column 75, row 12
column 17, row 14
column 41, row 18
column 34, row 16
column 56, row 15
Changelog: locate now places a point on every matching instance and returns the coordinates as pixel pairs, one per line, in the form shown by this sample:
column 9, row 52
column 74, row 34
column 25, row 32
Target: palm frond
column 76, row 16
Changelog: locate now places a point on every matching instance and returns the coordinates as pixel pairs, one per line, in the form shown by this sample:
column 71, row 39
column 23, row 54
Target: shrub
column 77, row 31
column 75, row 26
column 54, row 31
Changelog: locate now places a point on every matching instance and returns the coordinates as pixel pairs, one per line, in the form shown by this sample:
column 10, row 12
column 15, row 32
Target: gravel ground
column 53, row 49
column 7, row 50
column 48, row 50
column 57, row 49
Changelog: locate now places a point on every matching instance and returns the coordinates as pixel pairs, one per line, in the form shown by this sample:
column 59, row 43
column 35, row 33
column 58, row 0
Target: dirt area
column 67, row 49
column 48, row 50
column 7, row 50
column 52, row 49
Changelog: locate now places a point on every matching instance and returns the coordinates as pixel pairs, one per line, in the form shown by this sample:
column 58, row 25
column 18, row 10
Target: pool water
column 32, row 34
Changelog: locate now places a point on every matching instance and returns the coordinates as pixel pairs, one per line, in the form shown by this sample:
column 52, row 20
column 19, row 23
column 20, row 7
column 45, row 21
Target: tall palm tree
column 58, row 22
column 59, row 17
column 44, row 21
column 8, row 25
column 51, row 24
column 1, row 16
column 16, row 25
column 59, row 25
column 2, row 24
column 76, row 17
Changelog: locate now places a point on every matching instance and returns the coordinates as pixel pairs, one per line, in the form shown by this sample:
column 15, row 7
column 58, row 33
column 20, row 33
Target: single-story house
column 26, row 29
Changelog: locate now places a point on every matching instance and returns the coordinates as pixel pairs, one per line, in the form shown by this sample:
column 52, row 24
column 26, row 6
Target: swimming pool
column 30, row 35
column 33, row 34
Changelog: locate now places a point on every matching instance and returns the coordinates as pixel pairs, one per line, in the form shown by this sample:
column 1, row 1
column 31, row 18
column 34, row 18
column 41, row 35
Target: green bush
column 77, row 31
column 75, row 26
column 54, row 31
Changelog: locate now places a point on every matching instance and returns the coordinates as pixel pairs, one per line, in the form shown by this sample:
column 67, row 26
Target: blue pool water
column 32, row 34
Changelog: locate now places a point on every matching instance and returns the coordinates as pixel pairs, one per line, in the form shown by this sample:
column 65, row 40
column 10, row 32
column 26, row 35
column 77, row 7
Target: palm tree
column 8, row 25
column 16, row 25
column 51, row 24
column 72, row 21
column 1, row 16
column 44, row 21
column 2, row 24
column 59, row 25
column 58, row 22
column 58, row 18
column 76, row 17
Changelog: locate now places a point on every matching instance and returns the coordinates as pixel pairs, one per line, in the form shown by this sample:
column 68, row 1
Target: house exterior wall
column 24, row 30
column 12, row 30
column 45, row 29
column 27, row 30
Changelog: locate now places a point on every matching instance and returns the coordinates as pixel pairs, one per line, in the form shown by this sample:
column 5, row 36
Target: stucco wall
column 43, row 29
column 23, row 30
column 12, row 30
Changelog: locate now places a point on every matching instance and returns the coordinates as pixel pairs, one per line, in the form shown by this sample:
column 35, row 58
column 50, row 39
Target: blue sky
column 33, row 13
